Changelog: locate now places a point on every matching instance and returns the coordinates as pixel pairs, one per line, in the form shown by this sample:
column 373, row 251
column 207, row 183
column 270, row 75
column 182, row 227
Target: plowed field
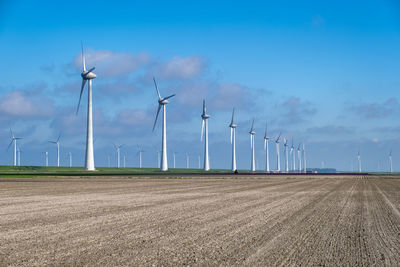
column 261, row 221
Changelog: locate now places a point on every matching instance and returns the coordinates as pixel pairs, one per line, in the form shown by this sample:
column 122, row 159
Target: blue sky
column 322, row 72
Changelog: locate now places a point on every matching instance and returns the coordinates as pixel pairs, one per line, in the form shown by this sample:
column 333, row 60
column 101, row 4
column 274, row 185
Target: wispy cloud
column 296, row 110
column 376, row 110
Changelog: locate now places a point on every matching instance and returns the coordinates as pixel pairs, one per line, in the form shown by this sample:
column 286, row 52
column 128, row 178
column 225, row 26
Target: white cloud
column 181, row 67
column 22, row 104
column 110, row 64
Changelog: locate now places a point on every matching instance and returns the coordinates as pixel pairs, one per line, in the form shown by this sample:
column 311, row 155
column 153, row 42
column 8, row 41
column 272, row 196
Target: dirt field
column 201, row 221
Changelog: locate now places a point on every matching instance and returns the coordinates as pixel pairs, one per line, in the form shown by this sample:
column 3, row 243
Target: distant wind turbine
column 266, row 148
column 88, row 76
column 19, row 155
column 118, row 149
column 14, row 140
column 299, row 156
column 199, row 162
column 57, row 143
column 187, row 161
column 359, row 161
column 204, row 127
column 390, row 161
column 304, row 159
column 174, row 157
column 46, row 159
column 140, row 151
column 278, row 161
column 285, row 144
column 252, row 133
column 233, row 141
column 162, row 102
column 292, row 151
column 70, row 159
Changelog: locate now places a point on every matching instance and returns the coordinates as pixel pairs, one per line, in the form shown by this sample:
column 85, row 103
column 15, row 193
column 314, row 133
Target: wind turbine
column 124, row 161
column 304, row 159
column 204, row 127
column 158, row 159
column 292, row 151
column 299, row 156
column 233, row 141
column 278, row 161
column 266, row 148
column 285, row 144
column 140, row 151
column 46, row 158
column 88, row 76
column 199, row 162
column 253, row 160
column 162, row 102
column 187, row 161
column 19, row 156
column 70, row 159
column 174, row 156
column 118, row 149
column 58, row 149
column 359, row 161
column 390, row 161
column 14, row 140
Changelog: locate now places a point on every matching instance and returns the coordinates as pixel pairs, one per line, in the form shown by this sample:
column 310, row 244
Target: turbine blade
column 202, row 130
column 233, row 113
column 158, row 92
column 83, row 58
column 80, row 96
column 12, row 134
column 92, row 69
column 158, row 111
column 252, row 126
column 169, row 96
column 10, row 144
column 58, row 139
column 204, row 106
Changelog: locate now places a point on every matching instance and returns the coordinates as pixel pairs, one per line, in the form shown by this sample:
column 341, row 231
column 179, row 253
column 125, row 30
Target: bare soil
column 261, row 221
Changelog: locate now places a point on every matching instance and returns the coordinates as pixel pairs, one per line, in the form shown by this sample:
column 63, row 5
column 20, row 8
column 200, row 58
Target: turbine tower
column 278, row 161
column 390, row 161
column 292, row 151
column 162, row 102
column 174, row 156
column 304, row 159
column 187, row 161
column 233, row 141
column 118, row 149
column 266, row 148
column 88, row 76
column 19, row 156
column 46, row 159
column 359, row 161
column 204, row 127
column 285, row 144
column 14, row 140
column 299, row 156
column 70, row 159
column 253, row 160
column 140, row 151
column 58, row 149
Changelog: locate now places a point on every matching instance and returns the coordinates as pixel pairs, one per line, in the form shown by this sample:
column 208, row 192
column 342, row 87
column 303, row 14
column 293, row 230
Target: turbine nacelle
column 163, row 101
column 232, row 125
column 205, row 116
column 88, row 75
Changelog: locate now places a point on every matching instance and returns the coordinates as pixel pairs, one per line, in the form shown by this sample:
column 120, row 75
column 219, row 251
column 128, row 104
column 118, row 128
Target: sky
column 324, row 73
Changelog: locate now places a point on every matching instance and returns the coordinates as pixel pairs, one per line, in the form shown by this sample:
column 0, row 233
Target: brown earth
column 260, row 221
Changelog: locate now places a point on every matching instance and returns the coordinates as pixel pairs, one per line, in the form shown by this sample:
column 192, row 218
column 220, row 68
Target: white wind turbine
column 162, row 102
column 204, row 127
column 390, row 161
column 88, row 76
column 118, row 149
column 57, row 143
column 253, row 160
column 285, row 144
column 292, row 151
column 359, row 161
column 278, row 161
column 304, row 159
column 19, row 155
column 266, row 148
column 299, row 156
column 233, row 141
column 70, row 159
column 124, row 161
column 14, row 140
column 187, row 161
column 140, row 151
column 46, row 159
column 174, row 157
